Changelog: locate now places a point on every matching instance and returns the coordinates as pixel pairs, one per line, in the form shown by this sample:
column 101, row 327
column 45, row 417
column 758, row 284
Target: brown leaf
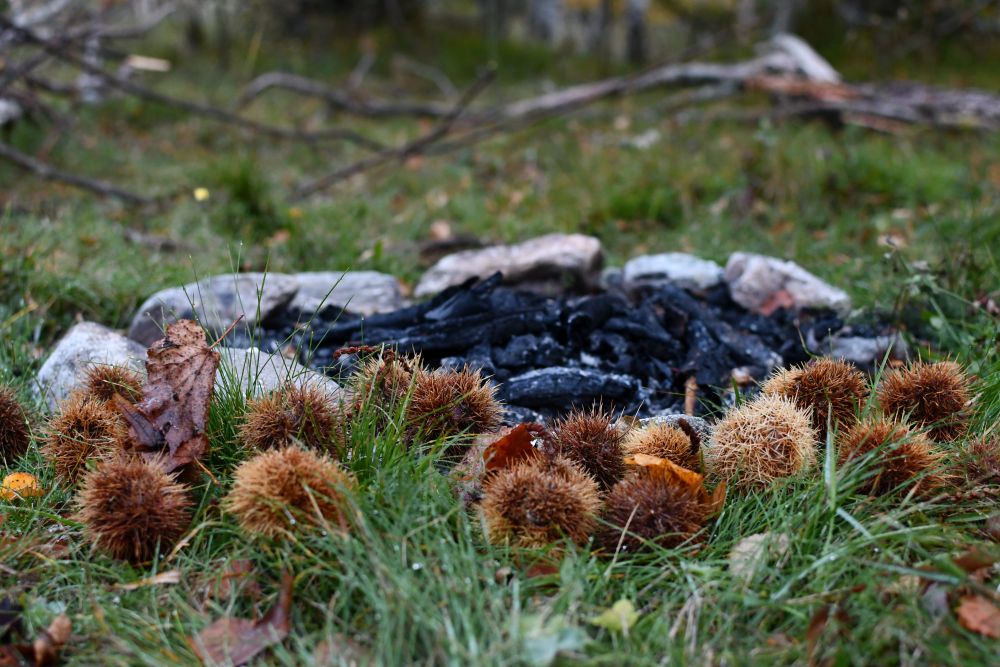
column 41, row 652
column 237, row 574
column 978, row 614
column 340, row 650
column 512, row 448
column 168, row 425
column 234, row 641
column 974, row 560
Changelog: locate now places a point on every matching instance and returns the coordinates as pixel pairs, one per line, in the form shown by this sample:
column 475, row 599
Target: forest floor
column 907, row 223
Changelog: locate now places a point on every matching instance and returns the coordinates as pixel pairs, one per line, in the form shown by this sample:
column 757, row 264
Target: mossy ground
column 907, row 223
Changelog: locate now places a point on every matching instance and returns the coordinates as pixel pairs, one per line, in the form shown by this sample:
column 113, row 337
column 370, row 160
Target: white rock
column 674, row 268
column 85, row 345
column 359, row 292
column 216, row 302
column 545, row 263
column 865, row 352
column 253, row 372
column 758, row 282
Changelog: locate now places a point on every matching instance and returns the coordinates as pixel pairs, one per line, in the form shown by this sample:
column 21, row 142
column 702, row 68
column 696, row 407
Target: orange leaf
column 512, row 448
column 978, row 614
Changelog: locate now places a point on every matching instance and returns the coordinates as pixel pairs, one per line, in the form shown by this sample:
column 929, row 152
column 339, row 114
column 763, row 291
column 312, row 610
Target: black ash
column 632, row 351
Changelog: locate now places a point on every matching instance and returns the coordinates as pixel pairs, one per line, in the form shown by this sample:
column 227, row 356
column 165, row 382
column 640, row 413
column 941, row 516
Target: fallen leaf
column 237, row 573
column 978, row 614
column 780, row 299
column 168, row 577
column 695, row 482
column 755, row 550
column 544, row 639
column 19, row 485
column 44, row 650
column 342, row 651
column 512, row 448
column 974, row 560
column 619, row 617
column 168, row 426
column 234, row 641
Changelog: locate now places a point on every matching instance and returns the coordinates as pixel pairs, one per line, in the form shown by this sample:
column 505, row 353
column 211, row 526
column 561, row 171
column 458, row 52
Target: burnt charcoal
column 562, row 388
column 549, row 354
column 518, row 414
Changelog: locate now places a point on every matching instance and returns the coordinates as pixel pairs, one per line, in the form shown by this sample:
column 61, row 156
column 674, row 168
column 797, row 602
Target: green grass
column 416, row 583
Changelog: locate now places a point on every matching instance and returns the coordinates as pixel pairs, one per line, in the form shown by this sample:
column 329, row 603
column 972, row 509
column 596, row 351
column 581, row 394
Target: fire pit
column 634, row 350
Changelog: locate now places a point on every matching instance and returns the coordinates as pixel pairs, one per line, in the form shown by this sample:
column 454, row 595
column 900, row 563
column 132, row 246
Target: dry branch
column 50, row 173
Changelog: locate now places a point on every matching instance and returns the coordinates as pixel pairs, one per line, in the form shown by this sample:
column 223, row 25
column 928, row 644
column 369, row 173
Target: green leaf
column 618, row 618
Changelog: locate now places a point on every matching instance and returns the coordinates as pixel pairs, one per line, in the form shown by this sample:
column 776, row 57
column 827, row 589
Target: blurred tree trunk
column 635, row 31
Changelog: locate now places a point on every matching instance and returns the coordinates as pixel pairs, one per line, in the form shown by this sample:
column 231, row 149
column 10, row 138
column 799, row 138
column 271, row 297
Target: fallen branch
column 59, row 52
column 50, row 173
column 413, row 147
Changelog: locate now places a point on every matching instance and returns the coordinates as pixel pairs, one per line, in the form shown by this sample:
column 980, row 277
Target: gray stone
column 673, row 268
column 253, row 372
column 868, row 352
column 700, row 426
column 85, row 345
column 547, row 263
column 216, row 302
column 358, row 292
column 761, row 284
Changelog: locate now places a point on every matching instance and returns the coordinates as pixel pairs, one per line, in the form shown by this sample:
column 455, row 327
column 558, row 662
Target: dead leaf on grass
column 235, row 641
column 168, row 425
column 513, row 448
column 340, row 650
column 44, row 650
column 978, row 614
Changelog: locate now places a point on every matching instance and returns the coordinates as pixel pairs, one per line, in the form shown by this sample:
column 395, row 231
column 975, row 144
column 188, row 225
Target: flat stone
column 358, row 292
column 700, row 426
column 868, row 352
column 254, row 372
column 547, row 264
column 216, row 302
column 672, row 268
column 85, row 345
column 763, row 284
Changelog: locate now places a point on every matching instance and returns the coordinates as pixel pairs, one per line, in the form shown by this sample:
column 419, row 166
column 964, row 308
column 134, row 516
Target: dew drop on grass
column 416, row 567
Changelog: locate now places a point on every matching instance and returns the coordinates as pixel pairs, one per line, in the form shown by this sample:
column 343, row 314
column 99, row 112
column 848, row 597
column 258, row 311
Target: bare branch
column 48, row 172
column 414, row 147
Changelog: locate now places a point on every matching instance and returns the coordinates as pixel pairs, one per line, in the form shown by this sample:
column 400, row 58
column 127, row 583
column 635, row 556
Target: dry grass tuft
column 540, row 501
column 84, row 428
column 130, row 509
column 757, row 443
column 288, row 489
column 664, row 441
column 14, row 434
column 829, row 389
column 104, row 381
column 934, row 396
column 594, row 440
column 305, row 414
column 903, row 458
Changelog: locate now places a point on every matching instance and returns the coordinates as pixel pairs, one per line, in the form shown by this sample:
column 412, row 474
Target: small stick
column 226, row 332
column 690, row 395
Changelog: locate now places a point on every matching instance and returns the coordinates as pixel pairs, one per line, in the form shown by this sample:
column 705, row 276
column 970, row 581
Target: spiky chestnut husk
column 14, row 434
column 290, row 414
column 655, row 509
column 595, row 441
column 446, row 403
column 385, row 379
column 84, row 428
column 287, row 489
column 904, row 457
column 540, row 501
column 930, row 395
column 761, row 441
column 664, row 441
column 131, row 509
column 829, row 389
column 980, row 458
column 103, row 381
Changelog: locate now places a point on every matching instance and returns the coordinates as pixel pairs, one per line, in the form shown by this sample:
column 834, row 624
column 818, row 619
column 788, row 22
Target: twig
column 214, row 113
column 48, row 172
column 339, row 100
column 414, row 147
